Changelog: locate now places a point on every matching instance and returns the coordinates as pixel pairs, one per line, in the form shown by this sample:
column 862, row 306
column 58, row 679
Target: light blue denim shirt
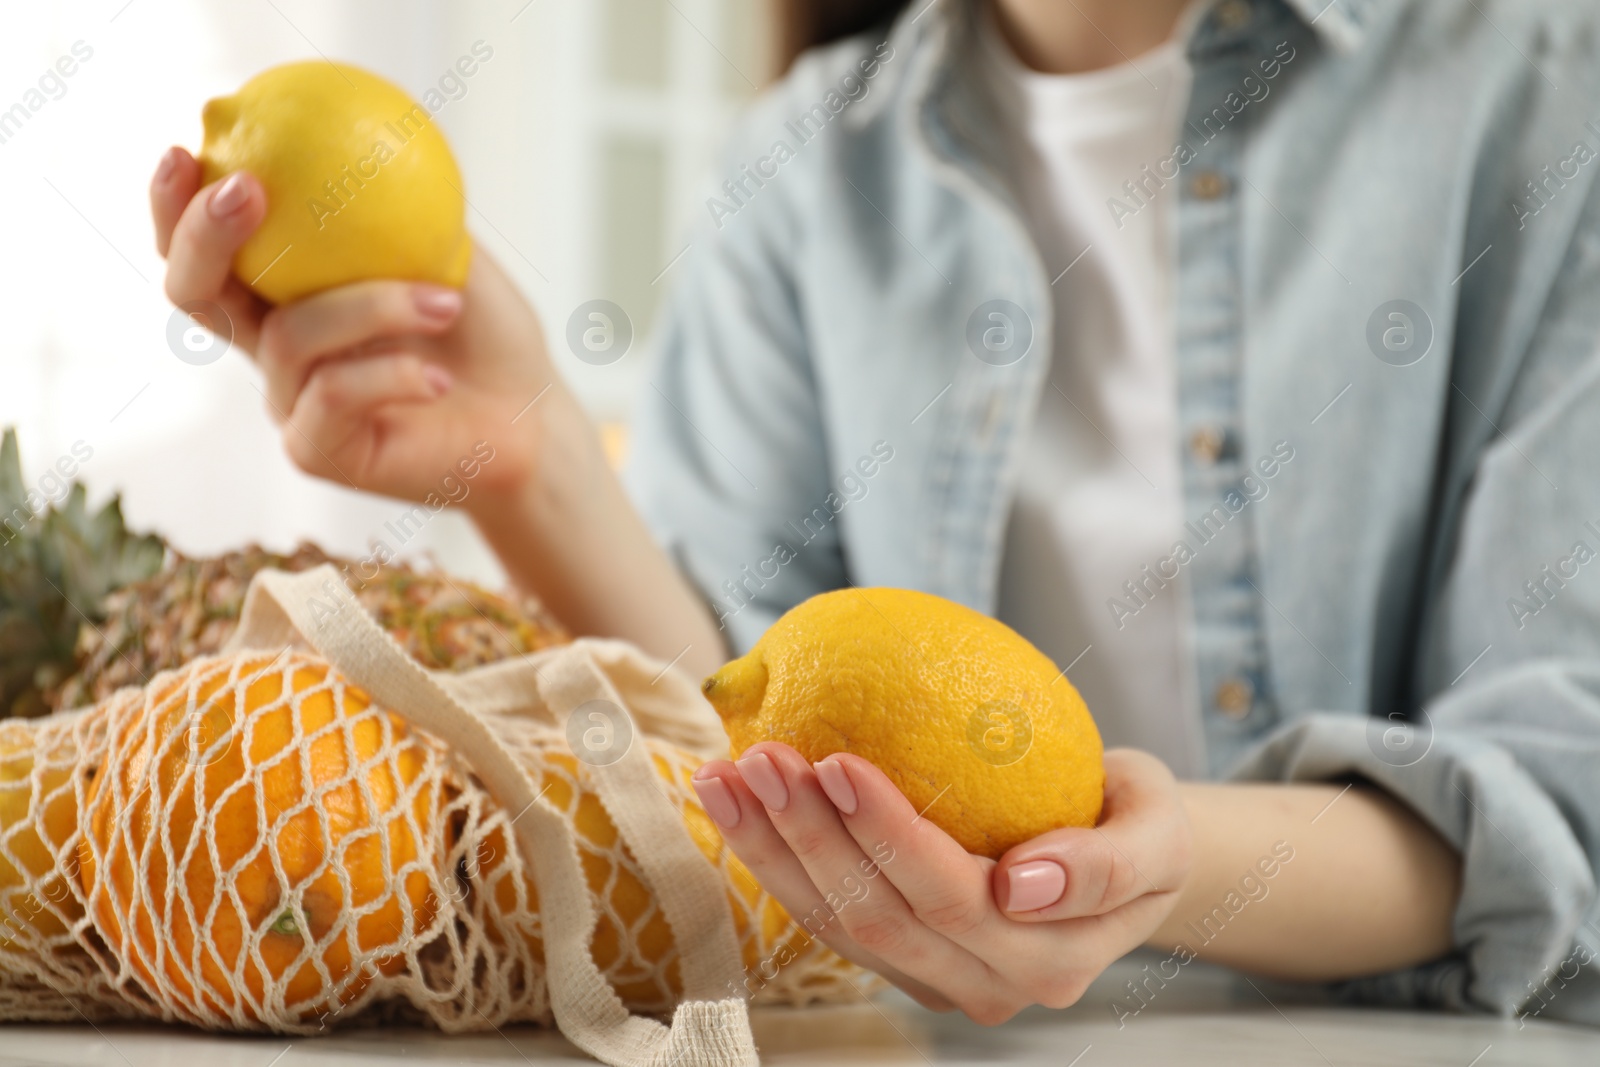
column 1388, row 268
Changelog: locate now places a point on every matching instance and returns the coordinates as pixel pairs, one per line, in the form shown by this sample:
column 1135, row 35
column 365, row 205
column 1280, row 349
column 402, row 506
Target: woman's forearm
column 570, row 535
column 1311, row 882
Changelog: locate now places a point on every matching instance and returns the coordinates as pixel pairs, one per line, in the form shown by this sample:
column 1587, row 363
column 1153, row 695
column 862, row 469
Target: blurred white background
column 584, row 140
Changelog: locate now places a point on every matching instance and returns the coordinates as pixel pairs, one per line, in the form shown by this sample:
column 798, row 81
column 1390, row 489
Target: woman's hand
column 390, row 386
column 385, row 385
column 952, row 929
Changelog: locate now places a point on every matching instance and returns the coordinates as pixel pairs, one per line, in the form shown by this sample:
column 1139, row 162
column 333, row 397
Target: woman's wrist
column 567, row 532
column 1310, row 881
column 550, row 448
column 1220, row 844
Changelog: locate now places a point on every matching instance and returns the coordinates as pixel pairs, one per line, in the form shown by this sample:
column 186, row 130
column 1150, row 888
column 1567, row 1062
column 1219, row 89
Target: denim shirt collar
column 938, row 34
column 1341, row 23
column 953, row 121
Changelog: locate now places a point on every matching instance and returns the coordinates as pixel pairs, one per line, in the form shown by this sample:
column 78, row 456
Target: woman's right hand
column 383, row 385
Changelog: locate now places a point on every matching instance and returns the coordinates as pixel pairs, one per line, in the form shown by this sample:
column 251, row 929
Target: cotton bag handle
column 709, row 1027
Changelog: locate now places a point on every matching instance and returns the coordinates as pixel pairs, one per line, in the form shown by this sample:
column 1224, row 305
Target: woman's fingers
column 339, row 403
column 946, row 888
column 748, row 830
column 868, row 906
column 209, row 231
column 200, row 252
column 200, row 231
column 1139, row 848
column 908, row 895
column 176, row 180
column 295, row 337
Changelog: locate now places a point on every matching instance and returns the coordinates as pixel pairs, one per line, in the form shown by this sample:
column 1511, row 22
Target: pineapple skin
column 191, row 608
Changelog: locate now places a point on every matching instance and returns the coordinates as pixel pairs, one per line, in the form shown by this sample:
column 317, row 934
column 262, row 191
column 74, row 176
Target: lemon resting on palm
column 360, row 182
column 979, row 729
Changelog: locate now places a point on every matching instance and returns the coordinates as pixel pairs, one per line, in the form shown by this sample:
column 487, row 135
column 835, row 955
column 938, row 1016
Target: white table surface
column 1204, row 1018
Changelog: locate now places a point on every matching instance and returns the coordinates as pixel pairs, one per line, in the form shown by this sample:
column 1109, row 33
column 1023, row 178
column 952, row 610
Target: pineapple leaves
column 56, row 566
column 12, row 494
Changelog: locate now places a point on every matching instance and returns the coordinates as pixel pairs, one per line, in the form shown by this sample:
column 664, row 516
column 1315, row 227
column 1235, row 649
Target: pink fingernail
column 436, row 303
column 1036, row 884
column 835, row 781
column 438, row 379
column 230, row 196
column 169, row 163
column 718, row 800
column 761, row 775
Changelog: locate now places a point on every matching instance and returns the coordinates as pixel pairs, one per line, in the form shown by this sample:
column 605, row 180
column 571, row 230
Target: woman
column 1241, row 354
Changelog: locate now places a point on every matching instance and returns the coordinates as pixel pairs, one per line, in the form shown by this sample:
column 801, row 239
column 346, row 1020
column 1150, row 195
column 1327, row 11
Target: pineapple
column 86, row 607
column 56, row 565
column 191, row 608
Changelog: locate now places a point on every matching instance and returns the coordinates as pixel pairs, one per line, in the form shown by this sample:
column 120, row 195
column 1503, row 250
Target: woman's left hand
column 952, row 929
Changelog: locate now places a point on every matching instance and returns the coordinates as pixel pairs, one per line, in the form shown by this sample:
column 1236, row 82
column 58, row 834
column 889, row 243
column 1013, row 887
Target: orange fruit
column 254, row 840
column 633, row 943
column 259, row 844
column 38, row 814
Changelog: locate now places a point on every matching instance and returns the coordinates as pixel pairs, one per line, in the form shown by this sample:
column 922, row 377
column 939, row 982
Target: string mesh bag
column 310, row 830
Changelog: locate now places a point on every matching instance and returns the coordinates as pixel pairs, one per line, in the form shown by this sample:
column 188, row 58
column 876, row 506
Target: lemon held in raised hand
column 968, row 720
column 360, row 182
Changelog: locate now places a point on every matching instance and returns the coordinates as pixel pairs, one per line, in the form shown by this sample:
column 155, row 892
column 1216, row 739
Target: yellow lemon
column 360, row 182
column 973, row 724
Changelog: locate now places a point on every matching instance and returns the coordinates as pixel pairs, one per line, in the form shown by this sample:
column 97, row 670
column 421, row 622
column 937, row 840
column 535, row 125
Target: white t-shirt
column 1101, row 487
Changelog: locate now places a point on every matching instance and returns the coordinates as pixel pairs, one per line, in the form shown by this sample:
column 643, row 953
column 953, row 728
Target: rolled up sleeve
column 1507, row 771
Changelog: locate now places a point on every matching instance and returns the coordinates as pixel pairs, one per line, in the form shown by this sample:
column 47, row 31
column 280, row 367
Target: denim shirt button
column 1209, row 185
column 1207, row 443
column 1232, row 14
column 1234, row 697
